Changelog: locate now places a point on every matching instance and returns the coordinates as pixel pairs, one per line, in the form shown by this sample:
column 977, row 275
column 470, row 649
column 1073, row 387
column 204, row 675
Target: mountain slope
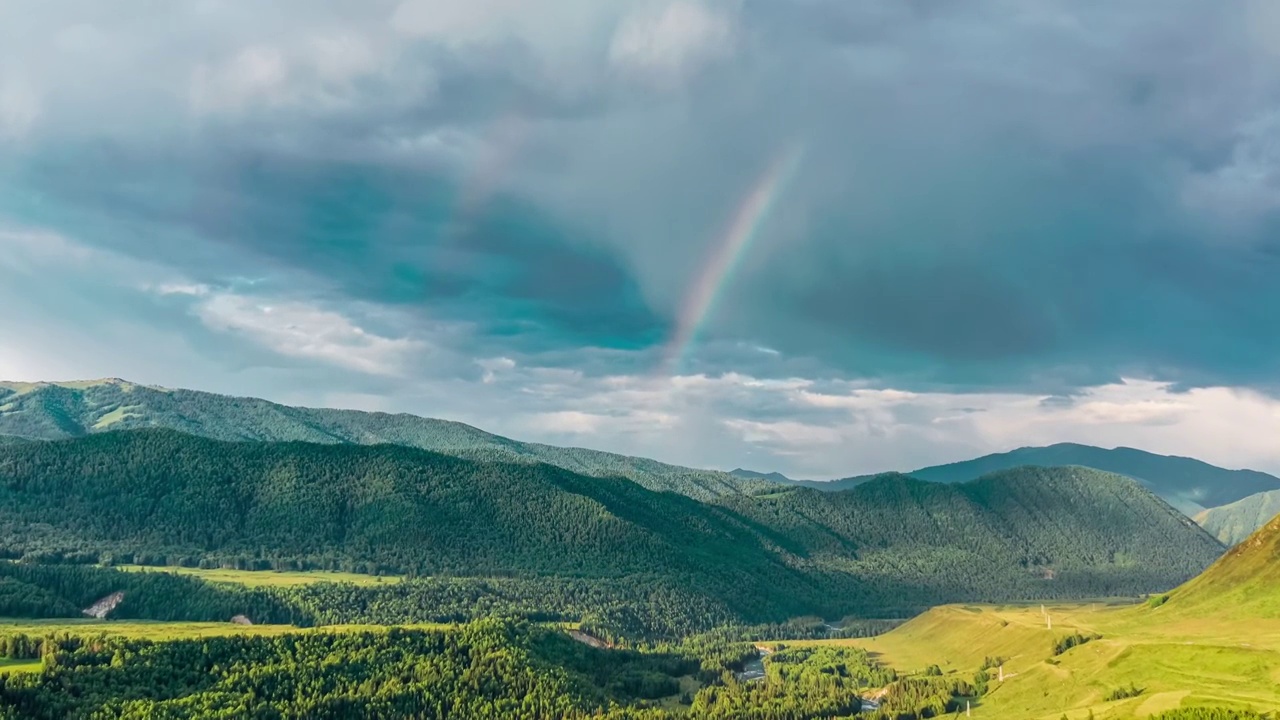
column 1186, row 483
column 1234, row 522
column 1067, row 531
column 775, row 477
column 890, row 546
column 1245, row 582
column 53, row 411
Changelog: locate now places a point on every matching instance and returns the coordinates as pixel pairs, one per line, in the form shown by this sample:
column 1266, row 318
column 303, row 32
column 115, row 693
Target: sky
column 815, row 236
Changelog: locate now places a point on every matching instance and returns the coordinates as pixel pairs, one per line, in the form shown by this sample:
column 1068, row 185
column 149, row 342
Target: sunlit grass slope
column 268, row 578
column 1244, row 583
column 1176, row 662
column 1215, row 641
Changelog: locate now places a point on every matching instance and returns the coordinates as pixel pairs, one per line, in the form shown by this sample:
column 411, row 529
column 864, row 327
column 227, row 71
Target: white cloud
column 493, row 367
column 256, row 73
column 567, row 422
column 20, row 106
column 454, row 22
column 301, row 330
column 734, row 420
column 666, row 45
column 191, row 289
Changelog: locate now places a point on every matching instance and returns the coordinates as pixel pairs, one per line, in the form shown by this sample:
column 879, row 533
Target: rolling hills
column 1236, row 521
column 54, row 411
column 1214, row 642
column 1245, row 582
column 1186, row 483
column 893, row 545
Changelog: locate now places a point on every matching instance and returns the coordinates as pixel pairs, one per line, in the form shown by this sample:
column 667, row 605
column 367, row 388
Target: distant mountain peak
column 1189, row 484
column 754, row 475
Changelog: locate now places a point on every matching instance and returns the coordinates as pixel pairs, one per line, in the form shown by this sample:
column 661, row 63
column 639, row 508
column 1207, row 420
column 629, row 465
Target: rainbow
column 752, row 214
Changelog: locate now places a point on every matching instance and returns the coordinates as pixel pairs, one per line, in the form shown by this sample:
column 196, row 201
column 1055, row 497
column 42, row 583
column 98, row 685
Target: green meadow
column 268, row 578
column 1174, row 661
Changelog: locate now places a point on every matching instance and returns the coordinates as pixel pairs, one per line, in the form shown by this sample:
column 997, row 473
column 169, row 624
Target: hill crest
column 62, row 410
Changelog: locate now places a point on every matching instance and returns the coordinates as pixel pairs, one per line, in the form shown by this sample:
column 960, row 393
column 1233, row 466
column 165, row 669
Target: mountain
column 1234, row 522
column 1069, row 532
column 774, row 477
column 841, row 484
column 1186, row 483
column 1245, row 582
column 891, row 545
column 52, row 411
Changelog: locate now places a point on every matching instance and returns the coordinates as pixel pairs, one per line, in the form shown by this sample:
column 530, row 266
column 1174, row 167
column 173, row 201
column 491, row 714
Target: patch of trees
column 1210, row 713
column 1067, row 642
column 490, row 669
column 818, row 682
column 1124, row 692
column 915, row 698
column 50, row 591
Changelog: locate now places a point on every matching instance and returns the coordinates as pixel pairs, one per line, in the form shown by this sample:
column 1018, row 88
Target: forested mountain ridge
column 892, row 545
column 1236, row 521
column 1059, row 526
column 1189, row 484
column 54, row 411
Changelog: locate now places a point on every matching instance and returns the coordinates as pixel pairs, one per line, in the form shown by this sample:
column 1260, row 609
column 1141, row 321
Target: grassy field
column 16, row 666
column 263, row 578
column 1176, row 660
column 159, row 630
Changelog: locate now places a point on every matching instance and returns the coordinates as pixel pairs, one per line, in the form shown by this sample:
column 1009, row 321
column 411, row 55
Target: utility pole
column 1049, row 619
column 967, row 713
column 1001, row 672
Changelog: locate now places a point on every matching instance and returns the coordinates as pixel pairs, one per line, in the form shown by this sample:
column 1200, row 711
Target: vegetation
column 1067, row 642
column 373, row 591
column 267, row 578
column 1209, row 713
column 489, row 669
column 1124, row 692
column 1234, row 522
column 50, row 591
column 55, row 411
column 923, row 697
column 888, row 548
column 1027, row 533
column 1244, row 583
column 1178, row 663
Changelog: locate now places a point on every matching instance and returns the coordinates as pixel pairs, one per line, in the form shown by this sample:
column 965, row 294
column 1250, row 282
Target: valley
column 754, row 598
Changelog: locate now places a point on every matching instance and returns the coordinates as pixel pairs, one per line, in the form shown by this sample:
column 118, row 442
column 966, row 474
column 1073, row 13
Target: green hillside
column 1208, row 649
column 1245, row 582
column 1234, row 522
column 54, row 411
column 890, row 546
column 1067, row 531
column 1186, row 483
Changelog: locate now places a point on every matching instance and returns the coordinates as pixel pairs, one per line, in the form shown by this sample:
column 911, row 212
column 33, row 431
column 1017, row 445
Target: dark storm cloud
column 994, row 194
column 387, row 235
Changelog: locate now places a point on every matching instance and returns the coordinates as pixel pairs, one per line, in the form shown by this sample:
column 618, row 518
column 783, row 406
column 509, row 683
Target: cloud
column 19, row 106
column 301, row 330
column 253, row 73
column 665, row 45
column 1028, row 211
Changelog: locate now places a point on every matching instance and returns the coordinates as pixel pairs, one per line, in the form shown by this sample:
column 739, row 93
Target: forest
column 487, row 669
column 678, row 587
column 888, row 548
